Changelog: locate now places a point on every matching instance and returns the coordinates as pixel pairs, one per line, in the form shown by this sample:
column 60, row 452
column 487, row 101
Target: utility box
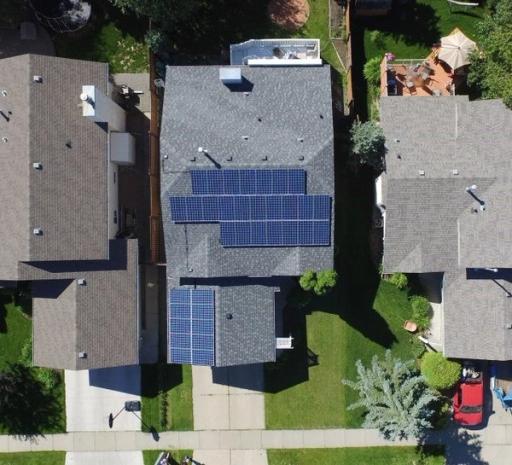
column 122, row 148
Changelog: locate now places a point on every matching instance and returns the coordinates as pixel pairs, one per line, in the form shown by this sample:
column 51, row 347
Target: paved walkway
column 228, row 398
column 91, row 395
column 105, row 458
column 231, row 457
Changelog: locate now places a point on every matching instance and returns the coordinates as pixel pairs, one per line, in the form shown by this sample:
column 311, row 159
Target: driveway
column 228, row 398
column 104, row 458
column 91, row 395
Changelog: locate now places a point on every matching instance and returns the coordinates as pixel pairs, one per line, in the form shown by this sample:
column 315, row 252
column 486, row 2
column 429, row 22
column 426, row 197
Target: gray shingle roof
column 67, row 199
column 430, row 225
column 100, row 318
column 434, row 224
column 477, row 310
column 199, row 110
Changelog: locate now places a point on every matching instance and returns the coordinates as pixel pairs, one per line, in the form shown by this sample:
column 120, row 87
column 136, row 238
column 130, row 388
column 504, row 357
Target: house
column 445, row 197
column 247, row 192
column 63, row 139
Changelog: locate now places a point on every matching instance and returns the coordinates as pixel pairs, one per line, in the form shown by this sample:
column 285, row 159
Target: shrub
column 377, row 38
column 325, row 281
column 26, row 354
column 308, row 280
column 439, row 372
column 320, row 283
column 399, row 280
column 368, row 144
column 421, row 311
column 371, row 71
column 48, row 377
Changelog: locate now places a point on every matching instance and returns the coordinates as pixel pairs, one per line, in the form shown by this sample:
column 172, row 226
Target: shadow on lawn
column 27, row 408
column 415, row 24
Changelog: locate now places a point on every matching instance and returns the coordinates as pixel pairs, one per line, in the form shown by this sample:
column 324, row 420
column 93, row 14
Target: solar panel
column 275, row 233
column 211, row 208
column 191, row 326
column 248, row 182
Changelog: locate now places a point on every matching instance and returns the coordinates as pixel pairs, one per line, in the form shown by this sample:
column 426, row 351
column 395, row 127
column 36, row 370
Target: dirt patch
column 289, row 14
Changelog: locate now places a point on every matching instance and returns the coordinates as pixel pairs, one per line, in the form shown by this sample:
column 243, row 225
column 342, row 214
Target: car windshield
column 471, row 408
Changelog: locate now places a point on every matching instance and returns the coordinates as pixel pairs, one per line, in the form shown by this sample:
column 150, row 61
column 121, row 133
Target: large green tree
column 395, row 396
column 491, row 65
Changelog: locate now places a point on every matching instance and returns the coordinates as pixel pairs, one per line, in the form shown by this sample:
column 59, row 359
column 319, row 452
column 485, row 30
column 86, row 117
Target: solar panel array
column 275, row 233
column 256, row 208
column 191, row 326
column 248, row 182
column 211, row 209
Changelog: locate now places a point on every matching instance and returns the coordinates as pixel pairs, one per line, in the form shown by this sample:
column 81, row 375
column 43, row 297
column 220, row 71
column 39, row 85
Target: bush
column 368, row 144
column 325, row 281
column 48, row 377
column 377, row 38
column 26, row 354
column 421, row 311
column 439, row 372
column 308, row 280
column 371, row 71
column 399, row 280
column 320, row 283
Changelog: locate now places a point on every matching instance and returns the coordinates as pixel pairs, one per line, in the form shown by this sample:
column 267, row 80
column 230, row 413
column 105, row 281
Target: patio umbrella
column 455, row 50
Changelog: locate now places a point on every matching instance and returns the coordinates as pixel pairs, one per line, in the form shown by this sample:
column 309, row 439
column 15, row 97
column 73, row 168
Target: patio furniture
column 455, row 49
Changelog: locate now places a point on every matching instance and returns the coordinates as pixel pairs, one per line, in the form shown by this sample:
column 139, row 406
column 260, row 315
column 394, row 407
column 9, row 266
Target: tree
column 368, row 144
column 399, row 280
column 421, row 311
column 164, row 14
column 397, row 400
column 439, row 372
column 491, row 65
column 319, row 282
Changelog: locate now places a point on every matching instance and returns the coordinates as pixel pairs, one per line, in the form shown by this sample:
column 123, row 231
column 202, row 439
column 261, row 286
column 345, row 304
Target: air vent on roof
column 265, row 158
column 508, row 326
column 37, row 78
column 300, row 139
column 202, row 150
column 4, row 139
column 82, row 354
column 455, row 172
column 301, row 158
column 81, row 282
column 230, row 75
column 245, row 137
column 229, row 159
column 4, row 93
column 37, row 232
column 192, row 158
column 37, row 166
column 421, row 172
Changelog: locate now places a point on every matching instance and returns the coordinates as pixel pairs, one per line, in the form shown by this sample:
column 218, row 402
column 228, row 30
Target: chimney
column 230, row 75
column 102, row 109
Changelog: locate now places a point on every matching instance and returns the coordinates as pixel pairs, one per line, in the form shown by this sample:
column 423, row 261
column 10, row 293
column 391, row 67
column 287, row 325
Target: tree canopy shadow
column 461, row 446
column 26, row 407
column 416, row 24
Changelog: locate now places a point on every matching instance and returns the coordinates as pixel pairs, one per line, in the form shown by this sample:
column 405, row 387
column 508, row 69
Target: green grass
column 110, row 37
column 15, row 331
column 33, row 458
column 357, row 456
column 317, row 27
column 413, row 36
column 174, row 384
column 150, row 456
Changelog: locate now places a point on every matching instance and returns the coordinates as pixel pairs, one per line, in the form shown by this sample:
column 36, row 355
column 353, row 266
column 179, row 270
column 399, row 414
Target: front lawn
column 358, row 456
column 46, row 413
column 150, row 456
column 33, row 458
column 167, row 397
column 15, row 330
column 362, row 318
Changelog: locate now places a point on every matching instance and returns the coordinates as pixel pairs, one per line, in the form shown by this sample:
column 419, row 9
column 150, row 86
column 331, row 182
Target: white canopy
column 455, row 50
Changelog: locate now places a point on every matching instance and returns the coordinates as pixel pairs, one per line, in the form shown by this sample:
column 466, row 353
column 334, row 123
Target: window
column 115, row 216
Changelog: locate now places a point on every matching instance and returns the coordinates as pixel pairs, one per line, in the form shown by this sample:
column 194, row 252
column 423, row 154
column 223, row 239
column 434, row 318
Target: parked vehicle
column 468, row 400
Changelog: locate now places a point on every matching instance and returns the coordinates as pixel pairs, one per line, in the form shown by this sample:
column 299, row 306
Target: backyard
column 167, row 397
column 407, row 33
column 358, row 456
